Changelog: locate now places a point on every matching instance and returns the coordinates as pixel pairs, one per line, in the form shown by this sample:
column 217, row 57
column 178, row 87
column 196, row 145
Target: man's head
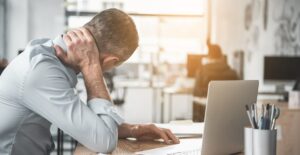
column 115, row 35
column 214, row 50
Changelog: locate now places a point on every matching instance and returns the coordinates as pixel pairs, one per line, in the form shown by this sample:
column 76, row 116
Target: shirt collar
column 61, row 43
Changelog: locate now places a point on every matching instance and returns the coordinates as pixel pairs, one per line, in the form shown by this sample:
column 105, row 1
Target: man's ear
column 111, row 60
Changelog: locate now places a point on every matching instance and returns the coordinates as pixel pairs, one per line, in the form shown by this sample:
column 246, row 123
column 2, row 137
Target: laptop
column 225, row 116
column 225, row 119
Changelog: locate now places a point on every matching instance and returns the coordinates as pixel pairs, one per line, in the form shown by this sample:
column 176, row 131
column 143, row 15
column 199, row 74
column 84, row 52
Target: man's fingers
column 79, row 34
column 162, row 134
column 87, row 34
column 172, row 136
column 60, row 54
column 73, row 35
column 67, row 39
column 58, row 49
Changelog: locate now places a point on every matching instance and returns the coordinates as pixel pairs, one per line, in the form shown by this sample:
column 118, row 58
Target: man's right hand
column 83, row 56
column 82, row 50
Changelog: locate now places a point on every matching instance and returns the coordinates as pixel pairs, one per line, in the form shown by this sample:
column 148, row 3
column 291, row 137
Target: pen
column 249, row 115
column 267, row 116
column 261, row 122
column 272, row 116
column 253, row 116
column 276, row 115
column 255, row 113
column 262, row 117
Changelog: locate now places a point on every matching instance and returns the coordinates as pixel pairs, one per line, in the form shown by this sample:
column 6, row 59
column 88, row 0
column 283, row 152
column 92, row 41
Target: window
column 167, row 29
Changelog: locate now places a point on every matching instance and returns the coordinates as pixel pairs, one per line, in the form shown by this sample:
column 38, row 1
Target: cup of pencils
column 261, row 137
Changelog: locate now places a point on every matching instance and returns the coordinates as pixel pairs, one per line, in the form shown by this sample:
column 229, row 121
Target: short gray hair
column 114, row 32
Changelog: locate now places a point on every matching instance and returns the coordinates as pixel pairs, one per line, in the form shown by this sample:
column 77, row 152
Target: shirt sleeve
column 103, row 108
column 48, row 92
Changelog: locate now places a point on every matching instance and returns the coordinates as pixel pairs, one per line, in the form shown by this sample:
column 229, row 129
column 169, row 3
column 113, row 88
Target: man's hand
column 83, row 55
column 82, row 50
column 150, row 131
column 147, row 132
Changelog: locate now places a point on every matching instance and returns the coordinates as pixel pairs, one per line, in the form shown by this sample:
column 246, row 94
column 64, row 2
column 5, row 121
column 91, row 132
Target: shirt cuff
column 104, row 107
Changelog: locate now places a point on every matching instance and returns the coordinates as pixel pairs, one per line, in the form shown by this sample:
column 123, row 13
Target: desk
column 287, row 144
column 288, row 124
column 159, row 103
column 132, row 146
column 125, row 147
column 199, row 105
column 167, row 106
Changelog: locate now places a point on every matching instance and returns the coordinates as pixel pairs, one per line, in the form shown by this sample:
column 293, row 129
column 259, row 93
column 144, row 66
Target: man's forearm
column 94, row 82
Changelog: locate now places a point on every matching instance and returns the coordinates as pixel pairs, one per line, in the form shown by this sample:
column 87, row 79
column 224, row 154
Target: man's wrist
column 134, row 131
column 90, row 69
column 94, row 82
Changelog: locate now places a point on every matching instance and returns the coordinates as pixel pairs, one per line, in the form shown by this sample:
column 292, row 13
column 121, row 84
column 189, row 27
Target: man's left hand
column 151, row 132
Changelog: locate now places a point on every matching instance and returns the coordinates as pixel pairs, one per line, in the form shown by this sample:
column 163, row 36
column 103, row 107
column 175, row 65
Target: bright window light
column 168, row 28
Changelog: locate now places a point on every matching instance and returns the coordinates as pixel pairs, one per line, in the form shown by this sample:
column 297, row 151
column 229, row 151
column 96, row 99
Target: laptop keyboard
column 189, row 152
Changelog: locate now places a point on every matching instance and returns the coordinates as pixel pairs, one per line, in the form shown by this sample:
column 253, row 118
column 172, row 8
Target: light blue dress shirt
column 36, row 89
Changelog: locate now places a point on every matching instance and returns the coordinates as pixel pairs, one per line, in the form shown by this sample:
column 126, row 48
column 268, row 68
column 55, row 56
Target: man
column 214, row 67
column 37, row 89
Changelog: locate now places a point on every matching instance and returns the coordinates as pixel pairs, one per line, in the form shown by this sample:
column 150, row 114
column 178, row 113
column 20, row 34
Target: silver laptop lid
column 225, row 115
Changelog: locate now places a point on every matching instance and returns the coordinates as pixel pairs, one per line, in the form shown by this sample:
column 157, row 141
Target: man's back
column 20, row 127
column 37, row 88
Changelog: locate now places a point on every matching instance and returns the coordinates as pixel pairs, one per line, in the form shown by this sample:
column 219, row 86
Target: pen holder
column 260, row 142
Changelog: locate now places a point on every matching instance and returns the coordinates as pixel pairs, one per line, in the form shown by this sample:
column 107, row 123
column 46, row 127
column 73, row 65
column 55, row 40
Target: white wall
column 229, row 30
column 31, row 19
column 2, row 33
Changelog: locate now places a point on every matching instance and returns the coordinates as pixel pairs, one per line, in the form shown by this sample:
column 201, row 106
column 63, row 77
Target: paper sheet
column 192, row 146
column 180, row 130
column 184, row 130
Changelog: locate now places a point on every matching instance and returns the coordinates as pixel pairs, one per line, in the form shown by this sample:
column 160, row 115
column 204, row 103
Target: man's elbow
column 106, row 144
column 110, row 145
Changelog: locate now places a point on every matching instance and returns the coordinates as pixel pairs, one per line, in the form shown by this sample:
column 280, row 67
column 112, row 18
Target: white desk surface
column 151, row 147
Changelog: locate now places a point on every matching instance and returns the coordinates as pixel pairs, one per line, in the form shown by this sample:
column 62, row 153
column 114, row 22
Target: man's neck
column 60, row 42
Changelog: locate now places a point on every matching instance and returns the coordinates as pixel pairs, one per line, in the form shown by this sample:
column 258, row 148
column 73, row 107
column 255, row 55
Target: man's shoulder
column 40, row 46
column 42, row 58
column 38, row 50
column 38, row 41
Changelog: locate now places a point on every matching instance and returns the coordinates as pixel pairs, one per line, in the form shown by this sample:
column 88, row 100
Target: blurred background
column 183, row 45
